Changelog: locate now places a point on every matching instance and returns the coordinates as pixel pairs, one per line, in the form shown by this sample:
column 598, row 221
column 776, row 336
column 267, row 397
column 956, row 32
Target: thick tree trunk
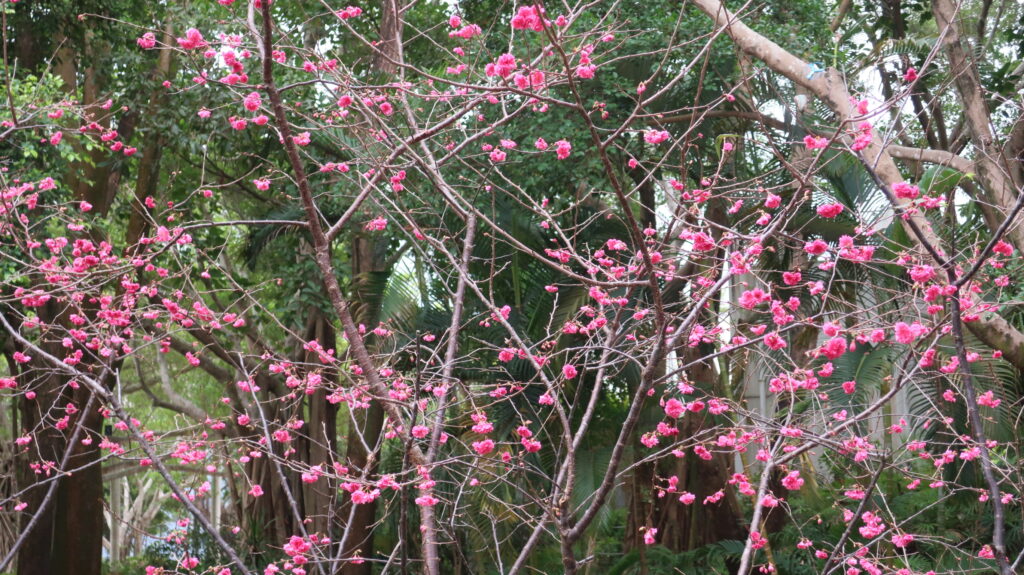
column 367, row 424
column 322, row 442
column 684, row 527
column 68, row 539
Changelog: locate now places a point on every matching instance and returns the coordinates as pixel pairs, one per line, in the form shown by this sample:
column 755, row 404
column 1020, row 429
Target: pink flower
column 815, row 142
column 674, row 408
column 687, row 498
column 534, row 79
column 503, row 66
column 1002, row 248
column 987, row 399
column 361, row 497
column 986, row 553
column 655, row 136
column 817, row 247
column 702, row 242
column 481, row 426
column 922, row 273
column 834, row 347
column 863, row 139
column 193, row 39
column 528, row 18
column 376, row 225
column 793, row 481
column 752, row 298
column 649, row 535
column 569, row 371
column 531, row 445
column 256, row 491
column 252, row 102
column 773, row 341
column 873, row 525
column 830, row 210
column 585, row 71
column 905, row 190
column 262, row 184
column 910, row 75
column 540, row 144
column 348, row 12
column 902, row 540
column 562, row 149
column 147, row 41
column 466, row 32
column 483, row 447
column 855, row 494
column 616, row 245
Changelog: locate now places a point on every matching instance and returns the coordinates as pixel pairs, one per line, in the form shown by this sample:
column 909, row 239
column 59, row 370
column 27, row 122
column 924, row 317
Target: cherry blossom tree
column 508, row 288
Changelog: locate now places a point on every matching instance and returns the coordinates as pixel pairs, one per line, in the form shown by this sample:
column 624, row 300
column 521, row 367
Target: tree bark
column 831, row 88
column 366, row 424
column 993, row 169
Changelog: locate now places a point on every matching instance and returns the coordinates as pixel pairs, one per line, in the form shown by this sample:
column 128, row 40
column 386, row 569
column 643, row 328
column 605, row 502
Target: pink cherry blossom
column 830, row 210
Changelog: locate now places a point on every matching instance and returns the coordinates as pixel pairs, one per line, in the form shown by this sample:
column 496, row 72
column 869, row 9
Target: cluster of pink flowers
column 193, row 40
column 502, row 67
column 528, row 18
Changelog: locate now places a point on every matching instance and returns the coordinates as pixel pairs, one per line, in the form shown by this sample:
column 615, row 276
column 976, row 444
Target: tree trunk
column 69, row 537
column 322, row 442
column 369, row 273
